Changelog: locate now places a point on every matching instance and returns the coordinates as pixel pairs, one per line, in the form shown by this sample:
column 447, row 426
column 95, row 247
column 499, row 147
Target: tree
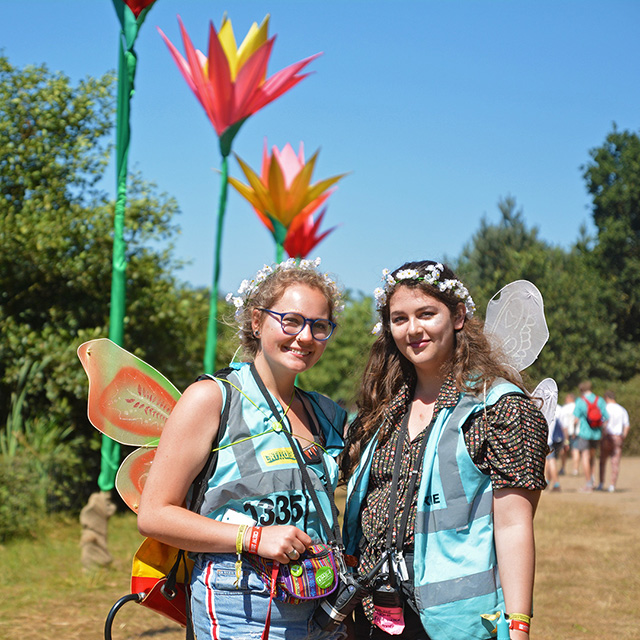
column 581, row 340
column 613, row 180
column 56, row 247
column 501, row 253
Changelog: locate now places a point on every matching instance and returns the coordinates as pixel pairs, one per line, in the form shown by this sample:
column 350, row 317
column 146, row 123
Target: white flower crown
column 248, row 287
column 432, row 277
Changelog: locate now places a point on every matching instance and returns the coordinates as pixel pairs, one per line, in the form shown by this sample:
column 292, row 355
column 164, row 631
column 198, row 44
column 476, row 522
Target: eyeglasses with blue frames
column 293, row 323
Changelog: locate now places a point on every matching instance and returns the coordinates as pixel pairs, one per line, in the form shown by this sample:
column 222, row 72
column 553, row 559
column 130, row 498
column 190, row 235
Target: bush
column 20, row 509
column 41, row 472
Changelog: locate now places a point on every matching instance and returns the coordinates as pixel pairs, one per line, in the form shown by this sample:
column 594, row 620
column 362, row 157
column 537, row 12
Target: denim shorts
column 222, row 610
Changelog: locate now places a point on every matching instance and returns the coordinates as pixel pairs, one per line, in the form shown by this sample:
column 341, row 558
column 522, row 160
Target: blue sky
column 436, row 109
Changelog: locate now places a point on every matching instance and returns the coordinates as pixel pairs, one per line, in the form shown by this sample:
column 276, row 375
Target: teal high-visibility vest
column 256, row 472
column 455, row 569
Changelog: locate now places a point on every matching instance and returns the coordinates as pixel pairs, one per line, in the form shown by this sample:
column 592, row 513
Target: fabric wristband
column 239, row 546
column 518, row 625
column 254, row 539
column 519, row 616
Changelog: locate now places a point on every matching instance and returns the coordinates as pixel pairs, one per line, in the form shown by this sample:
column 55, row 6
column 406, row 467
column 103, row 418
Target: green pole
column 127, row 61
column 212, row 326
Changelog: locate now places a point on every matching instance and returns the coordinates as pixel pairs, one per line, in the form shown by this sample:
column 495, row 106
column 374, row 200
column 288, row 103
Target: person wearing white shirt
column 570, row 429
column 614, row 434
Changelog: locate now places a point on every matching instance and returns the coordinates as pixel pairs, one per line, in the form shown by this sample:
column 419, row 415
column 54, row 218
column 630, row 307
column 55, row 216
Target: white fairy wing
column 545, row 395
column 515, row 320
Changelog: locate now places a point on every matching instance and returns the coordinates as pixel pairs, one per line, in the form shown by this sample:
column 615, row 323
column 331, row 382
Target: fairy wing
column 515, row 319
column 129, row 400
column 132, row 475
column 545, row 395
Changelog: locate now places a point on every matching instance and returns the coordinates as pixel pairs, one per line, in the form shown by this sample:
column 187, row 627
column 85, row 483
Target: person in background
column 613, row 437
column 589, row 435
column 570, row 429
column 555, row 441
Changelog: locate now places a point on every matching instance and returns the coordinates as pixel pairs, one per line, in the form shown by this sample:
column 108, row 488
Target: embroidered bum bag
column 312, row 576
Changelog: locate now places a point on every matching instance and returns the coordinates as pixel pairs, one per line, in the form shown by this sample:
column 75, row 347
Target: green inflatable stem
column 127, row 61
column 212, row 325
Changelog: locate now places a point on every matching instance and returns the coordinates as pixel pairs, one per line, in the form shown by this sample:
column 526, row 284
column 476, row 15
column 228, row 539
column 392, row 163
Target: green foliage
column 41, row 468
column 581, row 341
column 20, row 509
column 42, row 475
column 56, row 252
column 338, row 372
column 613, row 180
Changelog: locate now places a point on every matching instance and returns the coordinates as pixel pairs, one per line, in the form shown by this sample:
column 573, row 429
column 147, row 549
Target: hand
column 278, row 541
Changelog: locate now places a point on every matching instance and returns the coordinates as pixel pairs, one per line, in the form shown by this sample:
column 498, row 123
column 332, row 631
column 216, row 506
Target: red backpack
column 594, row 415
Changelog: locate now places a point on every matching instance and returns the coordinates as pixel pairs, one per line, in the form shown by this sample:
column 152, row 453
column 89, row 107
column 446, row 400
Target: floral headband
column 249, row 287
column 432, row 277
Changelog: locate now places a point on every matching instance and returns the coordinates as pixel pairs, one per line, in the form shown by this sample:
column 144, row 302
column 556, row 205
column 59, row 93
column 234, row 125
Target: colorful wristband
column 519, row 616
column 518, row 625
column 254, row 539
column 239, row 546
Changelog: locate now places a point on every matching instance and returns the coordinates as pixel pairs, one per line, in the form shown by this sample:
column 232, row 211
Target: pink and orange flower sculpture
column 284, row 198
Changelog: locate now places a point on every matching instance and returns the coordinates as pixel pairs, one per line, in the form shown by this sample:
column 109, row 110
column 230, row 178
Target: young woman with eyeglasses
column 256, row 500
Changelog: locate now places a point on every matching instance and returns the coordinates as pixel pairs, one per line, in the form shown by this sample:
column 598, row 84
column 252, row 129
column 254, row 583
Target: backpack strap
column 200, row 487
column 202, row 479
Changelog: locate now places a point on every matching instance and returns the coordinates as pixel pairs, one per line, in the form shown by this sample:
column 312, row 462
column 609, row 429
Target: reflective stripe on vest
column 258, row 475
column 456, row 576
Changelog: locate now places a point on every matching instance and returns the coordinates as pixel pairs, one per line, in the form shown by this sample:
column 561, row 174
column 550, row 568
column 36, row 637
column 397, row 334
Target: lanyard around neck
column 413, row 479
column 333, row 533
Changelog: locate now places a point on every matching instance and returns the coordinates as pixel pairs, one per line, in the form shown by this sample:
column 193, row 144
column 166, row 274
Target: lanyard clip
column 400, row 566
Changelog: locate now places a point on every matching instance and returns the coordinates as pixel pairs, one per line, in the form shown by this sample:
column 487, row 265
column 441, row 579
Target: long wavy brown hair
column 475, row 362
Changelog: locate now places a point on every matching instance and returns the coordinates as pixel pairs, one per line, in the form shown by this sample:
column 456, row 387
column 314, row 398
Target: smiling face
column 282, row 353
column 423, row 328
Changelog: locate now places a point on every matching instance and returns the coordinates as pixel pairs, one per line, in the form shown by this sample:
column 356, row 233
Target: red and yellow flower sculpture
column 231, row 82
column 284, row 198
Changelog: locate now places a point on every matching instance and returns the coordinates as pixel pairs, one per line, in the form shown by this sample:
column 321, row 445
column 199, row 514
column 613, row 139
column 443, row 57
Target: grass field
column 587, row 583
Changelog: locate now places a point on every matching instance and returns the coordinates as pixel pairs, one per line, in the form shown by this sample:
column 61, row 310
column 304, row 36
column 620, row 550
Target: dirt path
column 587, row 580
column 588, row 561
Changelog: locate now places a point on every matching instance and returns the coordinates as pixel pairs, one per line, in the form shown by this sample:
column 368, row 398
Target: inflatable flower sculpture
column 302, row 239
column 131, row 14
column 284, row 198
column 231, row 84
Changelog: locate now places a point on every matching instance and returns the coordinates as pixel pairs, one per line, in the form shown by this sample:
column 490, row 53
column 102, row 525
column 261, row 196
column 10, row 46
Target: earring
column 256, row 334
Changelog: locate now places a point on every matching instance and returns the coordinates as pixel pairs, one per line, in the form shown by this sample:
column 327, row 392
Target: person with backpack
column 269, row 498
column 591, row 412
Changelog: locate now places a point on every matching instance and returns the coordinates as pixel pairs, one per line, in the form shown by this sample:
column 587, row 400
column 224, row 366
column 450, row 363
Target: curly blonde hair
column 270, row 288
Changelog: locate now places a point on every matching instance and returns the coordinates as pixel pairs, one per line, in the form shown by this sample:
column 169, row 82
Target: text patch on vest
column 431, row 500
column 284, row 455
